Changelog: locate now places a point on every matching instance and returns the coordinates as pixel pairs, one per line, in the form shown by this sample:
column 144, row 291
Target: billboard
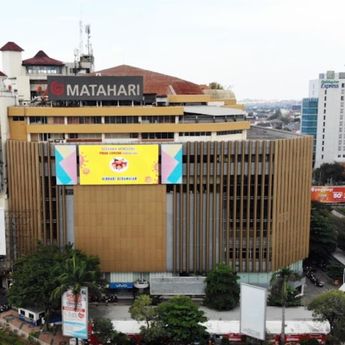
column 171, row 167
column 75, row 317
column 253, row 311
column 328, row 194
column 118, row 164
column 2, row 232
column 77, row 88
column 66, row 164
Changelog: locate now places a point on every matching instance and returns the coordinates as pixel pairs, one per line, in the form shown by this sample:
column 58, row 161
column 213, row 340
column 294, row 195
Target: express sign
column 91, row 88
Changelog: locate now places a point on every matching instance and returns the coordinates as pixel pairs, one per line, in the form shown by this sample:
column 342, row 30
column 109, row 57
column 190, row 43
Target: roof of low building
column 11, row 47
column 155, row 83
column 42, row 59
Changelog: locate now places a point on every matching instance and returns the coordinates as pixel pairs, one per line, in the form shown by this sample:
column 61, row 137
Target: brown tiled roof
column 11, row 47
column 155, row 83
column 42, row 59
column 2, row 74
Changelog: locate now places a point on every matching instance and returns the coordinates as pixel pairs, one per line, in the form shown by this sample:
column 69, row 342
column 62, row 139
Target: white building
column 330, row 138
column 27, row 79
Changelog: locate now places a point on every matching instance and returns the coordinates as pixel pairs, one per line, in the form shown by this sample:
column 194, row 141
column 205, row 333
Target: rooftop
column 42, row 59
column 2, row 74
column 11, row 47
column 257, row 133
column 212, row 110
column 155, row 83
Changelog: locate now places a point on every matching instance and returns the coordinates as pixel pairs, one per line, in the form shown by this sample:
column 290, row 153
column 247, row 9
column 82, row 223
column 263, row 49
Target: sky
column 260, row 49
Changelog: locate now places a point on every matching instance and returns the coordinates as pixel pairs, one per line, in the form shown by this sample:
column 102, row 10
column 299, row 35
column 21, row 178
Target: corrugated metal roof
column 213, row 110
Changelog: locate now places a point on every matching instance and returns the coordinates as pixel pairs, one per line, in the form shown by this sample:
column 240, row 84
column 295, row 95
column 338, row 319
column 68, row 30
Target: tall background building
column 329, row 89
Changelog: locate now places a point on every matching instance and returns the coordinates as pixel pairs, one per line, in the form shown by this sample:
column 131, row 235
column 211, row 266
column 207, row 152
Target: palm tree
column 282, row 279
column 79, row 271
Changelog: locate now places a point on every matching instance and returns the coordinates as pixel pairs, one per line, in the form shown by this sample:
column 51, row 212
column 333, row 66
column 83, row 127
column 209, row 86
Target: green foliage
column 34, row 278
column 180, row 319
column 105, row 333
column 78, row 270
column 323, row 235
column 281, row 292
column 215, row 86
column 335, row 270
column 329, row 173
column 222, row 290
column 330, row 306
column 37, row 275
column 142, row 309
column 154, row 335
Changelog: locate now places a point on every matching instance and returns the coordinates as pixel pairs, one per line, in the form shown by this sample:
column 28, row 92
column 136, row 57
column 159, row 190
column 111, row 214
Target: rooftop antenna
column 80, row 37
column 88, row 37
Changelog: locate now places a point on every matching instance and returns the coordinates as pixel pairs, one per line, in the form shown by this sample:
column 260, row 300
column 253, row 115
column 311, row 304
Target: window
column 342, row 98
column 31, row 316
column 38, row 119
column 58, row 120
column 18, row 118
column 324, row 111
column 321, row 156
column 325, row 104
column 323, row 130
column 343, row 85
column 325, row 98
column 324, row 118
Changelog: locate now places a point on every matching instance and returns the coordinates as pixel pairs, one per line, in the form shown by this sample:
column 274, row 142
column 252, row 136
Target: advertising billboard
column 171, row 167
column 253, row 311
column 98, row 88
column 328, row 194
column 2, row 232
column 118, row 164
column 66, row 164
column 75, row 317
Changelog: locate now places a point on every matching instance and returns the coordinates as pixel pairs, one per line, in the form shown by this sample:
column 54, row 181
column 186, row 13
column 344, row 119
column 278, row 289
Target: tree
column 180, row 319
column 105, row 333
column 79, row 270
column 222, row 290
column 142, row 310
column 215, row 86
column 280, row 294
column 323, row 237
column 330, row 306
column 281, row 279
column 329, row 173
column 34, row 278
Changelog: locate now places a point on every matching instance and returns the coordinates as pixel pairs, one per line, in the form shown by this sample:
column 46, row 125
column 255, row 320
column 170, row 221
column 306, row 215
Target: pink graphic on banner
column 66, row 164
column 171, row 168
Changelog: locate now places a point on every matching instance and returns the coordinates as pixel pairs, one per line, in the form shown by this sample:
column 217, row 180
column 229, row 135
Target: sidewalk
column 10, row 318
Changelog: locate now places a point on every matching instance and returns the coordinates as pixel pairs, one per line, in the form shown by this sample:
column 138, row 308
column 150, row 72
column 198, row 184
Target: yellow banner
column 118, row 164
